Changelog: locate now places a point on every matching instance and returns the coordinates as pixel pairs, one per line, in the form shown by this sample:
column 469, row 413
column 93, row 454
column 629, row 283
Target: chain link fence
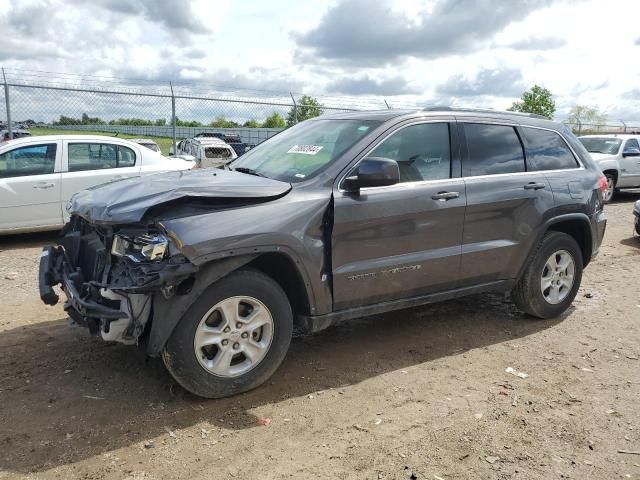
column 49, row 103
column 57, row 103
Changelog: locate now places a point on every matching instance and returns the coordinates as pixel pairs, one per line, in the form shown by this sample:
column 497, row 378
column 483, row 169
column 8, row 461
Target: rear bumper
column 598, row 226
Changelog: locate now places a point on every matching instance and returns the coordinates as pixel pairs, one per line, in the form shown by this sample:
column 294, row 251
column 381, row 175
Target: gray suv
column 338, row 217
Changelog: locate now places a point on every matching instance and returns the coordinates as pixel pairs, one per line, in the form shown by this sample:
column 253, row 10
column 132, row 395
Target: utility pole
column 173, row 119
column 8, row 105
column 295, row 108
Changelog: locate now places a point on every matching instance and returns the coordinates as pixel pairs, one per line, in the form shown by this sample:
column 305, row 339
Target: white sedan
column 38, row 175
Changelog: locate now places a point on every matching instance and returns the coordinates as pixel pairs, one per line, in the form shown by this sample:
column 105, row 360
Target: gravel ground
column 420, row 393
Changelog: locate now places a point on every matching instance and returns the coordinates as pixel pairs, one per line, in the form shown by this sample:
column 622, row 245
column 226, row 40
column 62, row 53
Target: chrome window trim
column 402, row 127
column 463, row 178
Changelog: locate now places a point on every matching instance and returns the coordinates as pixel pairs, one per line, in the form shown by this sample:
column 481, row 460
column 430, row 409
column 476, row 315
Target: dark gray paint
column 383, row 248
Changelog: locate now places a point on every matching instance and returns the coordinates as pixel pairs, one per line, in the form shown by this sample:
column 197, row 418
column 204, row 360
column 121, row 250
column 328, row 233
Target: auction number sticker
column 305, row 149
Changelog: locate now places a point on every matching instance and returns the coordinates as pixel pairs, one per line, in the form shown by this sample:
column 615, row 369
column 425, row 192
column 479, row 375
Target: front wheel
column 233, row 337
column 552, row 279
column 611, row 188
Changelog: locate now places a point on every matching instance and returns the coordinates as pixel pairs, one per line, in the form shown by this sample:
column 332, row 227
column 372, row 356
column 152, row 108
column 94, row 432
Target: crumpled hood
column 126, row 201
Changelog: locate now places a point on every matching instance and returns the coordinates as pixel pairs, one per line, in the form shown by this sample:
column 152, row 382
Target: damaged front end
column 110, row 276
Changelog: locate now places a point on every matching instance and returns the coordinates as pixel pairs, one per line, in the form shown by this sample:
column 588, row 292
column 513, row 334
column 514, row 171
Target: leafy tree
column 536, row 100
column 274, row 120
column 308, row 107
column 221, row 122
column 584, row 116
column 251, row 124
column 161, row 122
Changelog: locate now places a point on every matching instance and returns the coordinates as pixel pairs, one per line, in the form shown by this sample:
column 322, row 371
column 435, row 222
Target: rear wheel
column 552, row 279
column 232, row 338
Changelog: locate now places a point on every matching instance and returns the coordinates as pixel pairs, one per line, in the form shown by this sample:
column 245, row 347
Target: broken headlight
column 140, row 248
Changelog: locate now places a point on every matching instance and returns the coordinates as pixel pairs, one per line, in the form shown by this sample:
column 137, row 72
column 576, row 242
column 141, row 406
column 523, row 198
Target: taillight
column 603, row 183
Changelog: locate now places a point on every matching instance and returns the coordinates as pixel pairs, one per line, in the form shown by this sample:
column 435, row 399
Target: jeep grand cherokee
column 338, row 217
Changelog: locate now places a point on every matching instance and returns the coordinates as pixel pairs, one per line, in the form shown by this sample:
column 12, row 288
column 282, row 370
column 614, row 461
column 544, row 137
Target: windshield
column 606, row 145
column 305, row 149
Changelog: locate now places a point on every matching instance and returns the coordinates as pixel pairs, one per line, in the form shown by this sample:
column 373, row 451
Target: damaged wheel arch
column 276, row 262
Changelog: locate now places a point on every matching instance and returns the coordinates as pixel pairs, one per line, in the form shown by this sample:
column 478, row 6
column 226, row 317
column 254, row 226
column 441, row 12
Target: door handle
column 42, row 185
column 444, row 196
column 534, row 186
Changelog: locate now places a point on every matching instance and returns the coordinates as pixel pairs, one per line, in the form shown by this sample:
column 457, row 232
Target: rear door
column 30, row 186
column 505, row 203
column 402, row 240
column 90, row 163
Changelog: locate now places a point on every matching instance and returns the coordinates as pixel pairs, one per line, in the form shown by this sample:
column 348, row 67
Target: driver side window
column 631, row 145
column 422, row 151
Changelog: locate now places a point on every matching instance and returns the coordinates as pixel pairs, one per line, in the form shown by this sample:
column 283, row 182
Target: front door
column 30, row 182
column 402, row 240
column 505, row 203
column 630, row 163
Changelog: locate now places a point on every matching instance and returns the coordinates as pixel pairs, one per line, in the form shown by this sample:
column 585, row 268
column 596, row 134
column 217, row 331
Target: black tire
column 611, row 179
column 528, row 295
column 179, row 354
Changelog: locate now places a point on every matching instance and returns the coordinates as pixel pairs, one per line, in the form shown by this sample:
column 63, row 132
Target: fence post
column 8, row 105
column 624, row 125
column 173, row 119
column 295, row 108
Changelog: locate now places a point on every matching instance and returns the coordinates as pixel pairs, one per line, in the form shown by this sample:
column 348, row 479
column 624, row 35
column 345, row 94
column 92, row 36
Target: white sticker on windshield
column 611, row 142
column 305, row 149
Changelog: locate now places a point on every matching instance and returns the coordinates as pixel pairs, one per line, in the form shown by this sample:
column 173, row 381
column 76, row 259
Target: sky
column 477, row 53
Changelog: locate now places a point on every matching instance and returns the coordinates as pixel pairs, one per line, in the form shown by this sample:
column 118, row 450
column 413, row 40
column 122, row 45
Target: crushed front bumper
column 54, row 270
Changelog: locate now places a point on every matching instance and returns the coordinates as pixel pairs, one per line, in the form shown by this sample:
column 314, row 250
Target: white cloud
column 583, row 51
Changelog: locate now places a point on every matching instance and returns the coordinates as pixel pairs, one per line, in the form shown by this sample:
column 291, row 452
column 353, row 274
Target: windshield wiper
column 249, row 171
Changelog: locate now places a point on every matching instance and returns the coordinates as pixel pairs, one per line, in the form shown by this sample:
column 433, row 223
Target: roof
column 55, row 138
column 211, row 140
column 384, row 115
column 616, row 135
column 141, row 140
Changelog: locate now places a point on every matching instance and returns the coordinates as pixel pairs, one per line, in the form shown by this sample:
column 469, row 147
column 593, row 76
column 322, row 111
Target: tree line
column 539, row 100
column 307, row 107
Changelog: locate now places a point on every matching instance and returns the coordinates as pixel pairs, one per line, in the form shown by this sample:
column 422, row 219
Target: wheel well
column 581, row 233
column 282, row 269
column 613, row 173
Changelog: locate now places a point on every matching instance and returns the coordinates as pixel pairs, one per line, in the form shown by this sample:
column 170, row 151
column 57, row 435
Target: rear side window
column 98, row 156
column 546, row 150
column 493, row 149
column 29, row 160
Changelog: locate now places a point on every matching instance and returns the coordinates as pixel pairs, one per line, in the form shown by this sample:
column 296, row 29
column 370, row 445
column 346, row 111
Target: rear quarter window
column 546, row 150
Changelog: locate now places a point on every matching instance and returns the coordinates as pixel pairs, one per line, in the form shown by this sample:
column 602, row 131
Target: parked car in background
column 146, row 142
column 208, row 151
column 232, row 139
column 338, row 217
column 38, row 175
column 618, row 156
column 16, row 133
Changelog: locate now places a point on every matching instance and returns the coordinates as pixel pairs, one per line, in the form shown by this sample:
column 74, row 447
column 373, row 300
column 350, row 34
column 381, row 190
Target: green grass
column 163, row 142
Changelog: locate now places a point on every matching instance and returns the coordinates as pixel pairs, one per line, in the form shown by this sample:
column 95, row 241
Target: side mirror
column 372, row 172
column 632, row 152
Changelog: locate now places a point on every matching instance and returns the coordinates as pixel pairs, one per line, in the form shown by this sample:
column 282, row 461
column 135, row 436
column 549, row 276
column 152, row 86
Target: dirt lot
column 421, row 393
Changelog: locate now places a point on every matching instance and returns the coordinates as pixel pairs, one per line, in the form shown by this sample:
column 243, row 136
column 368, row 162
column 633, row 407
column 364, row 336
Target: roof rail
column 446, row 108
